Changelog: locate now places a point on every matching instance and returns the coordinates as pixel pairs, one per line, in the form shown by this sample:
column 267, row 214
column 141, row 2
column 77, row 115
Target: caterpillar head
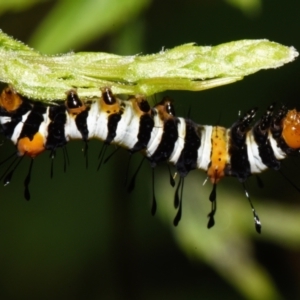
column 291, row 129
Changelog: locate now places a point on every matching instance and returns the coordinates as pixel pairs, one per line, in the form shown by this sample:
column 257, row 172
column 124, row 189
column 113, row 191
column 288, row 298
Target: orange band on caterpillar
column 219, row 154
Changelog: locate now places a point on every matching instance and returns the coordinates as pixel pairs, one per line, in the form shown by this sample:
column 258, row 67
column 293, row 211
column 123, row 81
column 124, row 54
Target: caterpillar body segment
column 157, row 133
column 219, row 154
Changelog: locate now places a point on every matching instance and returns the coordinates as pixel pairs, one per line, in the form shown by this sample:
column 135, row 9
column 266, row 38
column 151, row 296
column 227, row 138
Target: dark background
column 82, row 236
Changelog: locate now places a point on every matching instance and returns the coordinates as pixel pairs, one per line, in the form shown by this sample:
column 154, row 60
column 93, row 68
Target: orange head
column 291, row 129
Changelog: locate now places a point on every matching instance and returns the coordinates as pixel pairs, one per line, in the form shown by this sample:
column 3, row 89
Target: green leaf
column 186, row 67
column 17, row 5
column 74, row 23
column 248, row 7
column 228, row 248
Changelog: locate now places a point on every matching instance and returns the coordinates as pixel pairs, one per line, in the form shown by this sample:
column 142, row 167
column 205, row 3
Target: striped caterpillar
column 157, row 133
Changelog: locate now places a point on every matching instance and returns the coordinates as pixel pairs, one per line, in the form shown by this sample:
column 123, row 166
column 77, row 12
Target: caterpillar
column 239, row 151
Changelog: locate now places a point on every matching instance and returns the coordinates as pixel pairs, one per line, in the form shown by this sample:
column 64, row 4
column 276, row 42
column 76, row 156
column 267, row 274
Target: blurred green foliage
column 82, row 236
